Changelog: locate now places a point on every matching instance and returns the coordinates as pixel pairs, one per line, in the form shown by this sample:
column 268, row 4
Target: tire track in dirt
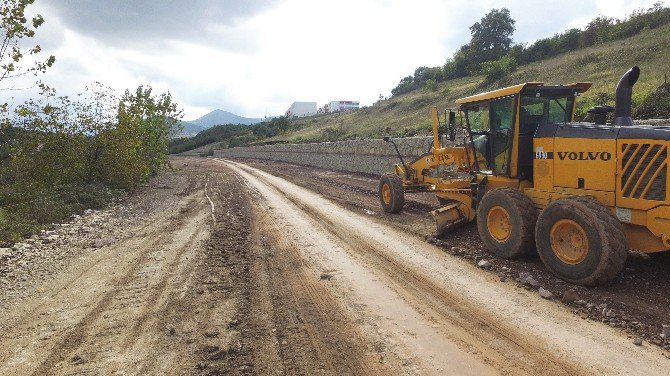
column 85, row 323
column 286, row 321
column 117, row 323
column 310, row 317
column 466, row 322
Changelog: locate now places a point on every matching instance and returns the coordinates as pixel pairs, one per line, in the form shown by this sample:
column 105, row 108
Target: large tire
column 581, row 241
column 506, row 222
column 391, row 193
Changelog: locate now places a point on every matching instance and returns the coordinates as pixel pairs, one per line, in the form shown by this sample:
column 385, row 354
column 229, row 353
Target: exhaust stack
column 624, row 94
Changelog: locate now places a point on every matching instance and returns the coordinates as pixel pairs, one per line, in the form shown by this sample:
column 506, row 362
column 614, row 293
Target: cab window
column 491, row 126
column 479, row 118
column 537, row 110
column 502, row 123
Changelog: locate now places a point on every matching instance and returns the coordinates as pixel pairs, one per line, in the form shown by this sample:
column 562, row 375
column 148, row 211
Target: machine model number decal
column 541, row 154
column 584, row 155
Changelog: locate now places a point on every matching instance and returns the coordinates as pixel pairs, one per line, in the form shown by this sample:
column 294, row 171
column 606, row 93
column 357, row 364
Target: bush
column 457, row 66
column 431, row 85
column 28, row 214
column 655, row 105
column 333, row 134
column 208, row 153
column 13, row 228
column 69, row 154
column 495, row 70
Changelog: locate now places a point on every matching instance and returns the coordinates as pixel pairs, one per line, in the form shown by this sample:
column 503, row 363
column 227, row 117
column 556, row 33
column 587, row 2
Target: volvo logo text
column 584, row 155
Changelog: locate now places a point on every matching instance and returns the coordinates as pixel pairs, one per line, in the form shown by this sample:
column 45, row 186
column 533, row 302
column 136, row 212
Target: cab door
column 491, row 127
column 502, row 130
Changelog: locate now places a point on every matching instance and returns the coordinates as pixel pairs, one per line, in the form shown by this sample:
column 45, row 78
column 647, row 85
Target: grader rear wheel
column 581, row 241
column 391, row 193
column 505, row 221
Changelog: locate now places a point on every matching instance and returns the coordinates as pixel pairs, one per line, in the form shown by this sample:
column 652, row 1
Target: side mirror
column 386, row 138
column 452, row 126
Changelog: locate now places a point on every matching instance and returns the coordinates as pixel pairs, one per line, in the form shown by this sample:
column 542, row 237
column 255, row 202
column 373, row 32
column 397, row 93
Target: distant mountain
column 216, row 117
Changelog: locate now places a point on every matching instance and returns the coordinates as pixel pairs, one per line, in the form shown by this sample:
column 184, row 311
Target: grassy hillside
column 409, row 114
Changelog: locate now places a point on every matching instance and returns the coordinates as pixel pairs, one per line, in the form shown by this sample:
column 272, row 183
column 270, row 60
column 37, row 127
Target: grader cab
column 581, row 194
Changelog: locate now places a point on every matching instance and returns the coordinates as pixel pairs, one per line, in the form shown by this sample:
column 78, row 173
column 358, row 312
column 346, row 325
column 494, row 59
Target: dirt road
column 243, row 272
column 637, row 302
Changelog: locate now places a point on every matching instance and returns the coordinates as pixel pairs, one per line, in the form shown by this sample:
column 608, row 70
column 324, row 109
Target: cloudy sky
column 256, row 57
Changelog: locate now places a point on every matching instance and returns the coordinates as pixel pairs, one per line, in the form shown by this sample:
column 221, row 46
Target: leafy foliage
column 495, row 70
column 421, row 77
column 656, row 104
column 17, row 60
column 490, row 50
column 150, row 119
column 15, row 26
column 62, row 154
column 491, row 36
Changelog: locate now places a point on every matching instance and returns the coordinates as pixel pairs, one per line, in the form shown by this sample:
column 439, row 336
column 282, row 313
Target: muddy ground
column 220, row 268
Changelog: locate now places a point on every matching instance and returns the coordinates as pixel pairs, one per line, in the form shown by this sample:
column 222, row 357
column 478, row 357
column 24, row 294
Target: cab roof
column 579, row 87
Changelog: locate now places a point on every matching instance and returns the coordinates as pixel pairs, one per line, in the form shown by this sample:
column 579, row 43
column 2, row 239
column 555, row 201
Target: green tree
column 151, row 119
column 404, row 86
column 15, row 27
column 17, row 60
column 597, row 31
column 458, row 65
column 491, row 36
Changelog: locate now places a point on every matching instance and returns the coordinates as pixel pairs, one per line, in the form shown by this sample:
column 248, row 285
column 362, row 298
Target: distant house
column 299, row 109
column 337, row 106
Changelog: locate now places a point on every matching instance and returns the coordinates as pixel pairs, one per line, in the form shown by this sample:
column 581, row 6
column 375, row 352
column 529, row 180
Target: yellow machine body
column 623, row 168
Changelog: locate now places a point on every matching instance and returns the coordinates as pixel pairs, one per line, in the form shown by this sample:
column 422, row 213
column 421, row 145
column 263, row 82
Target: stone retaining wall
column 372, row 156
column 368, row 156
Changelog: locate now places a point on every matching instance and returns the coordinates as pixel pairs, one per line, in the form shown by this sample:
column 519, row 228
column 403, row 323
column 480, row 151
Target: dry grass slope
column 409, row 114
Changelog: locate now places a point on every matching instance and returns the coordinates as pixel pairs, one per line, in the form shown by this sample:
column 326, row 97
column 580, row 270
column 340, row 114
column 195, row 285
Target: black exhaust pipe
column 624, row 97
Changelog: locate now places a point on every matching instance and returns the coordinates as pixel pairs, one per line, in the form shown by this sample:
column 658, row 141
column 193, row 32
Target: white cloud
column 265, row 57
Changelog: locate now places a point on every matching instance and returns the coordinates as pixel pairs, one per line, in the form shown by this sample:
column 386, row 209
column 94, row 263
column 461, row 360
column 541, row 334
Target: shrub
column 431, row 85
column 495, row 70
column 655, row 105
column 333, row 134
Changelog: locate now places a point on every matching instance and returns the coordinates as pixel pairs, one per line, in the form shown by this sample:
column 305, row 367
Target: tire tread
column 615, row 250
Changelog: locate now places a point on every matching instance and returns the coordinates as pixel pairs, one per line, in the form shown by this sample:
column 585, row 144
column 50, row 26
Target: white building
column 337, row 106
column 299, row 109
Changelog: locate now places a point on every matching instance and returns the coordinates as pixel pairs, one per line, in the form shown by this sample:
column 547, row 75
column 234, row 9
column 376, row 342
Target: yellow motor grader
column 581, row 194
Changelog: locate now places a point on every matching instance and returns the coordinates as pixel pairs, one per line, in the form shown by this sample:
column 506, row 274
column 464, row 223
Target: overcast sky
column 256, row 57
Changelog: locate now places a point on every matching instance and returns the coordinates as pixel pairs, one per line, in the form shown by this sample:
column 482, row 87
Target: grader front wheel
column 391, row 193
column 505, row 221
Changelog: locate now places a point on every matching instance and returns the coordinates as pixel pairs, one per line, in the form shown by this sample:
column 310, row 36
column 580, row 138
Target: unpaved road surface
column 243, row 272
column 637, row 302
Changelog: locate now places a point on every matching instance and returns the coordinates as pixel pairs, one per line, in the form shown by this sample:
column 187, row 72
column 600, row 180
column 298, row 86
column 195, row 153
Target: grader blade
column 447, row 217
